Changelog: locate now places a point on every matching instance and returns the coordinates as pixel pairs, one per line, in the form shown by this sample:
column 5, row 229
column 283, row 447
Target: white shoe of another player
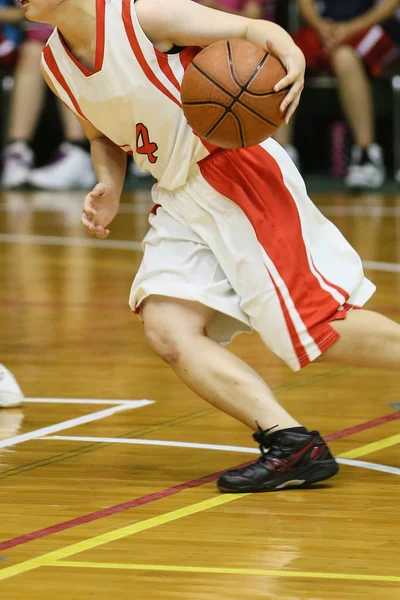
column 10, row 392
column 366, row 168
column 71, row 168
column 17, row 162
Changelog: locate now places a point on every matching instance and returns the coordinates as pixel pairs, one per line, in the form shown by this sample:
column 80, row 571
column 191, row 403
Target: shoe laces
column 268, row 444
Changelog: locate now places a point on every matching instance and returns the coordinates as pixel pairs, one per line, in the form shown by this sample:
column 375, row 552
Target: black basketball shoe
column 288, row 459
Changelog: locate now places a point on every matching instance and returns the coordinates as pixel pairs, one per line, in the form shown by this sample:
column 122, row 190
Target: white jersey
column 133, row 94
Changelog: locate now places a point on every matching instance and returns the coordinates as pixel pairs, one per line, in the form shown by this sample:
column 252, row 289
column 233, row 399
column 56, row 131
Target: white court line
column 142, row 442
column 243, row 449
column 381, row 266
column 368, row 465
column 44, row 431
column 127, row 403
column 355, row 210
column 54, row 240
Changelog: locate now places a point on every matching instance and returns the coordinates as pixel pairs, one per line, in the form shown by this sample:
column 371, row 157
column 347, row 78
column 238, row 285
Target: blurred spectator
column 71, row 166
column 346, row 37
column 253, row 9
column 10, row 33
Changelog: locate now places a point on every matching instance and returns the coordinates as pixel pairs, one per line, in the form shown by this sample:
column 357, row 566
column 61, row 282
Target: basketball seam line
column 236, row 99
column 245, row 85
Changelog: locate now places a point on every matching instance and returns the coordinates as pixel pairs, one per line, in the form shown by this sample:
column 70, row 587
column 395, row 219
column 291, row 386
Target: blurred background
column 346, row 134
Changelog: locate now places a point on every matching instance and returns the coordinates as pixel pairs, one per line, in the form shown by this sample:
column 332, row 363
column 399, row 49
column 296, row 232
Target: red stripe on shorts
column 130, row 32
column 301, row 352
column 51, row 63
column 252, row 179
column 341, row 291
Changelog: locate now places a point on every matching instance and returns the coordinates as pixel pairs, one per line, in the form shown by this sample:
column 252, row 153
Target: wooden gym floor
column 108, row 472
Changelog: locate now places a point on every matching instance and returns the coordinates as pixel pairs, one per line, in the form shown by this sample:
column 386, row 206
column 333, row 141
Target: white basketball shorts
column 243, row 237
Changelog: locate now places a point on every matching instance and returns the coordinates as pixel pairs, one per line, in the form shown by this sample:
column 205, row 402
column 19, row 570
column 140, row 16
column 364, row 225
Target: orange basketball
column 228, row 94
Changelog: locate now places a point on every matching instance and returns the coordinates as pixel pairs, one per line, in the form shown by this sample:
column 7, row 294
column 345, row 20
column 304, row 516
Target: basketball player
column 235, row 243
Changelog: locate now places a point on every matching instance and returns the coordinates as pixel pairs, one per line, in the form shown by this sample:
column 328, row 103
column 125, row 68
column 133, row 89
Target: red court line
column 107, row 512
column 112, row 510
column 362, row 427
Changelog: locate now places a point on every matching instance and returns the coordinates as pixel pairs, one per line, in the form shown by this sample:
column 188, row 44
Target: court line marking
column 80, row 242
column 129, row 403
column 117, row 534
column 123, row 532
column 362, row 426
column 218, row 447
column 381, row 266
column 368, row 465
column 363, row 210
column 226, row 571
column 55, row 240
column 89, row 517
column 374, row 447
column 96, row 416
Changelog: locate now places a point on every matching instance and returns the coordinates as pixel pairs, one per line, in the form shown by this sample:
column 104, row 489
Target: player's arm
column 101, row 205
column 186, row 23
column 253, row 10
column 380, row 12
column 11, row 15
column 308, row 11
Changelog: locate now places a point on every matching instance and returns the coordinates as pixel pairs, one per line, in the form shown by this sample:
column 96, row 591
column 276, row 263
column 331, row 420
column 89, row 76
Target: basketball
column 228, row 94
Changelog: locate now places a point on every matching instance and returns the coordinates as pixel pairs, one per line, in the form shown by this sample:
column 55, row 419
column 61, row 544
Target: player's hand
column 99, row 209
column 341, row 32
column 294, row 62
column 325, row 29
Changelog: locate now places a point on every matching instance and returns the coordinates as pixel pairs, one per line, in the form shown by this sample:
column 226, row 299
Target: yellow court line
column 227, row 571
column 374, row 447
column 117, row 534
column 52, row 557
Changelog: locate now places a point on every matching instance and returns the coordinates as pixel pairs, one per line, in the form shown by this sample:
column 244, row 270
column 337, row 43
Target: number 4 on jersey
column 143, row 144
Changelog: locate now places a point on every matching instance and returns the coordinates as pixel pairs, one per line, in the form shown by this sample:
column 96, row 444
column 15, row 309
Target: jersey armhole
column 173, row 50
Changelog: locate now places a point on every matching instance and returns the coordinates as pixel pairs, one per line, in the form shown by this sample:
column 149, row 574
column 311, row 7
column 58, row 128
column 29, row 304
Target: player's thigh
column 366, row 338
column 173, row 317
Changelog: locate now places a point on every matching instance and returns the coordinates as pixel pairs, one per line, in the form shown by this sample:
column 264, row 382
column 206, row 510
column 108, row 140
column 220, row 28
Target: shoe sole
column 10, row 400
column 318, row 471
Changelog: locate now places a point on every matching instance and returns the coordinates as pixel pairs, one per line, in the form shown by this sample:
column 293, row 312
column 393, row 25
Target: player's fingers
column 88, row 224
column 101, row 233
column 284, row 83
column 88, row 209
column 98, row 190
column 292, row 109
column 293, row 94
column 104, row 234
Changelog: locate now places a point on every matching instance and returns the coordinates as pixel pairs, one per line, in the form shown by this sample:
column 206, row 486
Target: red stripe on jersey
column 130, row 32
column 51, row 63
column 100, row 34
column 186, row 57
column 100, row 41
column 166, row 68
column 188, row 54
column 253, row 180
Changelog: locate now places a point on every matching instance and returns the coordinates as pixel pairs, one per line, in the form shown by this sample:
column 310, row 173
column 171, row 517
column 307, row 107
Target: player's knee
column 163, row 342
column 344, row 60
